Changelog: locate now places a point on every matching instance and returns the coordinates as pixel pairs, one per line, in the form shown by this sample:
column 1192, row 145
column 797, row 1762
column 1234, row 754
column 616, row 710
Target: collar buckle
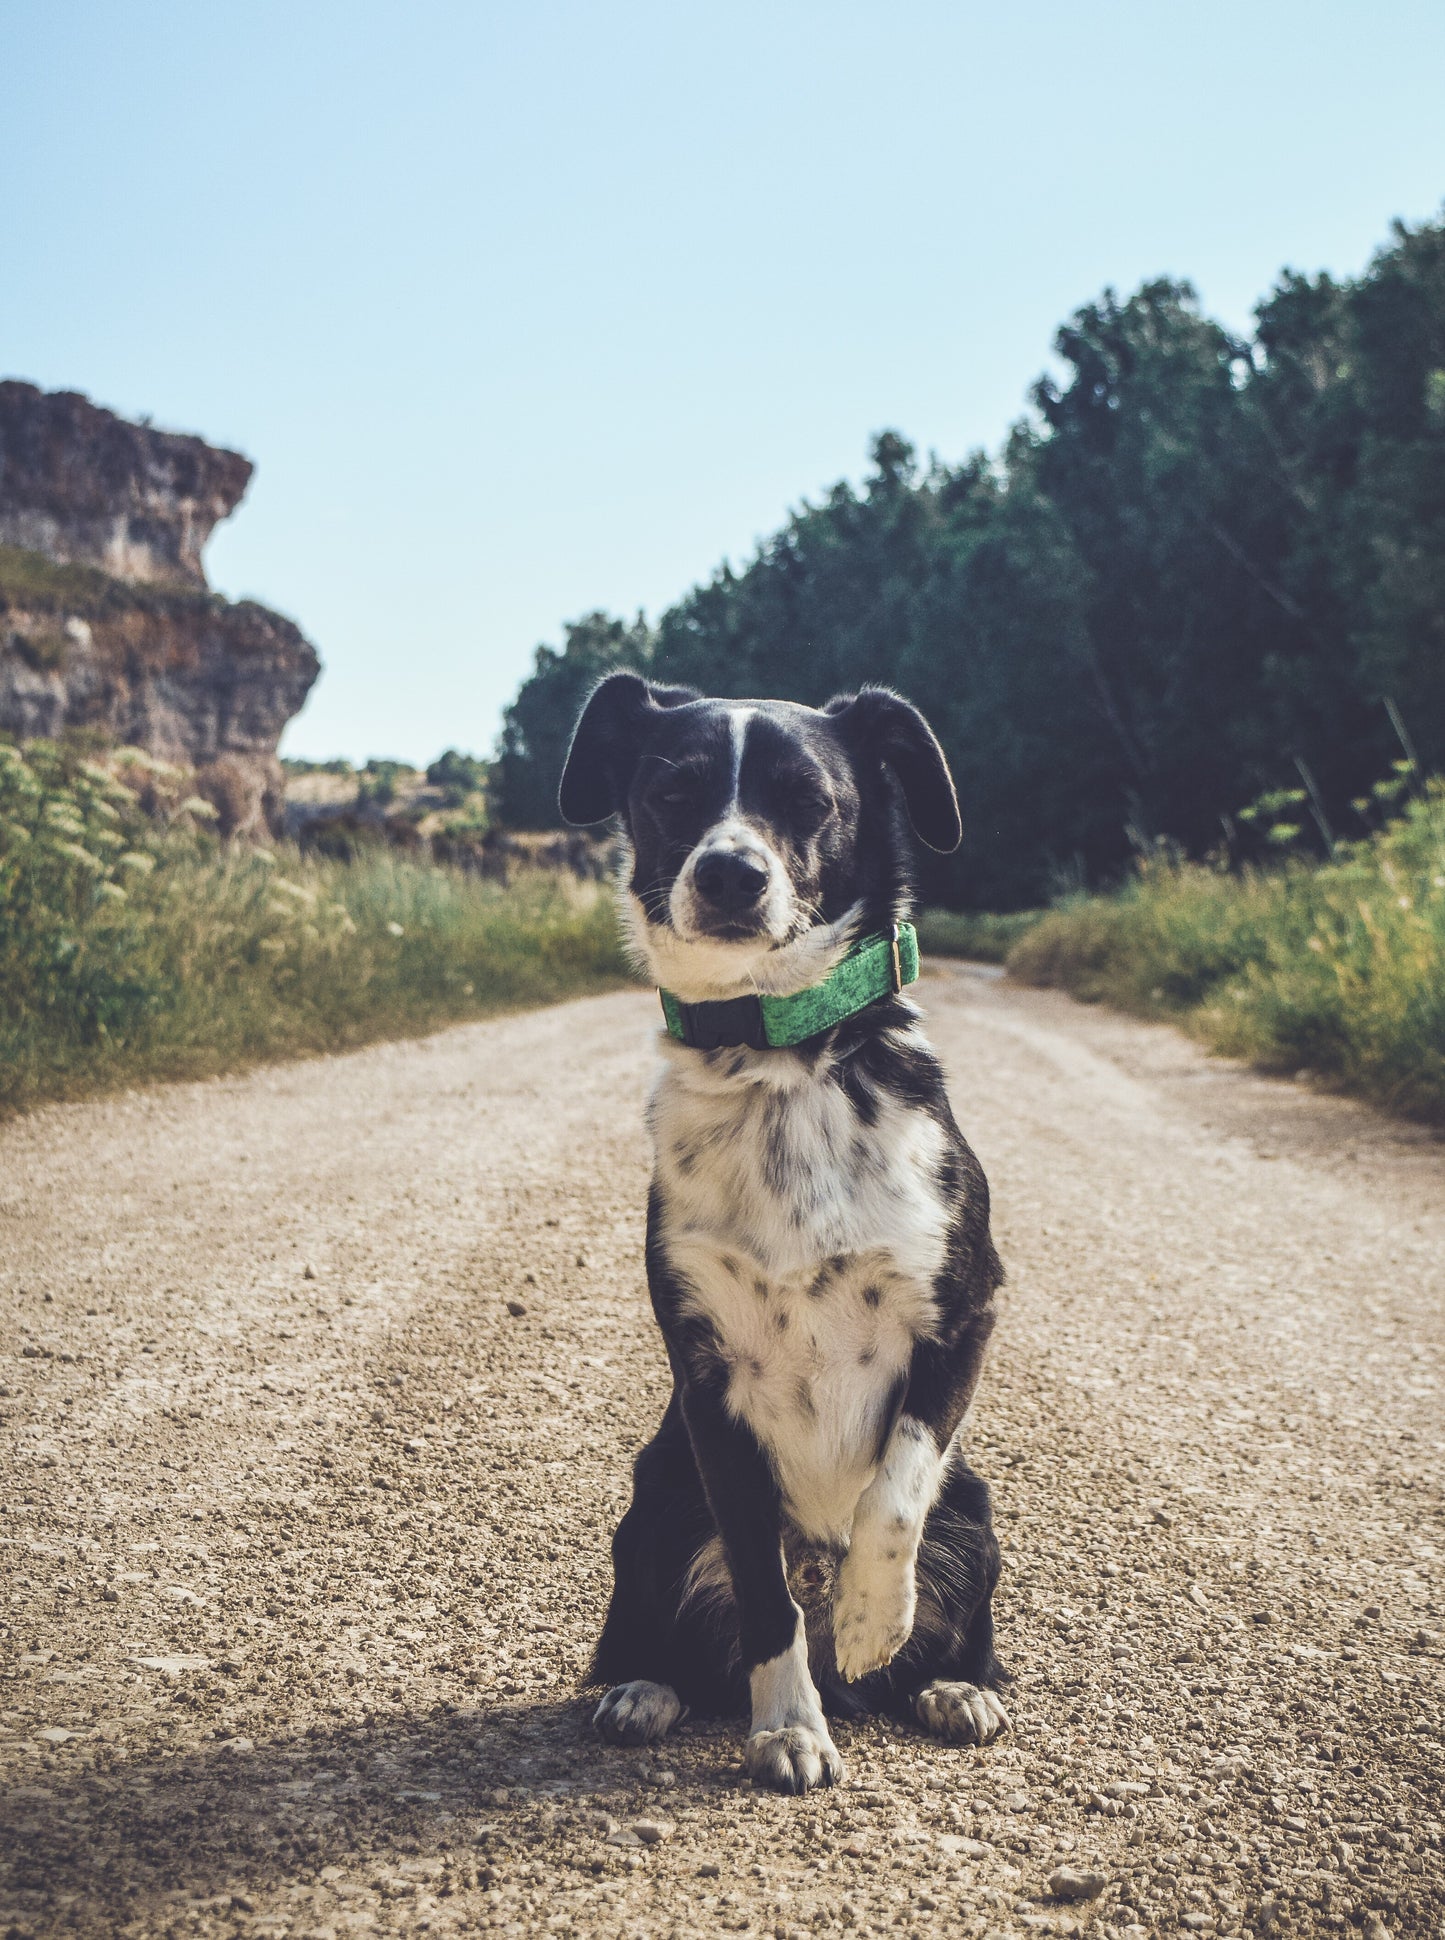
column 723, row 1025
column 896, row 963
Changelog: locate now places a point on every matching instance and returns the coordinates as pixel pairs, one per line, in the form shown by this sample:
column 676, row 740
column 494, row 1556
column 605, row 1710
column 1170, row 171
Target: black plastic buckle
column 716, row 1027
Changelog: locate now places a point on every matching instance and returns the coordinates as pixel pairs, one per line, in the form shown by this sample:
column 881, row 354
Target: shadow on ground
column 127, row 1839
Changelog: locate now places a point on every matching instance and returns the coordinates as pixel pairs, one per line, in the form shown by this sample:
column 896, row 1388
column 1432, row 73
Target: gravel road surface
column 320, row 1388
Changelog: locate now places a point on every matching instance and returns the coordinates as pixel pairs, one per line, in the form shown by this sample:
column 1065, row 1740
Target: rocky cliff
column 105, row 619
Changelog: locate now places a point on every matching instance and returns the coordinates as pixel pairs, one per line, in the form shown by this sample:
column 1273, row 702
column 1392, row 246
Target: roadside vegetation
column 977, row 933
column 1336, row 968
column 135, row 945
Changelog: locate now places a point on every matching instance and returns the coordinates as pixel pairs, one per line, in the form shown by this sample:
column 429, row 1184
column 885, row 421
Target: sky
column 524, row 310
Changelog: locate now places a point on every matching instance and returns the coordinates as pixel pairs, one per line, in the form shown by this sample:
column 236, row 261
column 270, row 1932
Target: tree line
column 1202, row 567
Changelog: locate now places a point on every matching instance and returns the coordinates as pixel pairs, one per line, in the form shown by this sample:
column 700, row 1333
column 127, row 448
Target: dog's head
column 764, row 836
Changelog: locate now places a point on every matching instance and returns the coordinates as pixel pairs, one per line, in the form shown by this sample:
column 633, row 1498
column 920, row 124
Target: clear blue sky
column 525, row 309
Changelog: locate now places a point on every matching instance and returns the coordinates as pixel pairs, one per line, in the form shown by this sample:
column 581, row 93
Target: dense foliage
column 1335, row 967
column 1198, row 564
column 134, row 944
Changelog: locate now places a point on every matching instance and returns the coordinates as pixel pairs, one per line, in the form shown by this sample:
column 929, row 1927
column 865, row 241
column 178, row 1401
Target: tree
column 1197, row 564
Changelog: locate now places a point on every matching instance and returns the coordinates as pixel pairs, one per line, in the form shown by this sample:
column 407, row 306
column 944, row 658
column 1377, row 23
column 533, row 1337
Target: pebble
column 516, row 1308
column 308, row 1272
column 56, row 1735
column 1068, row 1883
column 956, row 1845
column 652, row 1832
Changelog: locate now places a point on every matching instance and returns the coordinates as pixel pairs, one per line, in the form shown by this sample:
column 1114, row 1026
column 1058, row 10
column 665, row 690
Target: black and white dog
column 804, row 1532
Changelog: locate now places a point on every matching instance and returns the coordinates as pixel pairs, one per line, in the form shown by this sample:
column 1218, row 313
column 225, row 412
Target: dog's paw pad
column 795, row 1759
column 637, row 1713
column 964, row 1714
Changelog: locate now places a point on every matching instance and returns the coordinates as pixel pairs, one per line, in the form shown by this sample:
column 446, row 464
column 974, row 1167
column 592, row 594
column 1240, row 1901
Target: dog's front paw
column 638, row 1713
column 799, row 1758
column 964, row 1714
column 872, row 1613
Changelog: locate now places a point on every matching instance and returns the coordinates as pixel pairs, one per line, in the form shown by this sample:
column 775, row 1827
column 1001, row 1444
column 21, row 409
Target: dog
column 804, row 1536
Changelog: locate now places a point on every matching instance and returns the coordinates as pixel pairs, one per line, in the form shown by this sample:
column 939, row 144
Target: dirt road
column 320, row 1391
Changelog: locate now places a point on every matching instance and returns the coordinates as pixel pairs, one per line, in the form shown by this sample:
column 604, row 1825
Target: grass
column 31, row 581
column 979, row 934
column 1337, row 968
column 134, row 946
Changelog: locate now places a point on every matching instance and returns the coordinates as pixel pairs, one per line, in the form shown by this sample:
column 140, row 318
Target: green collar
column 878, row 966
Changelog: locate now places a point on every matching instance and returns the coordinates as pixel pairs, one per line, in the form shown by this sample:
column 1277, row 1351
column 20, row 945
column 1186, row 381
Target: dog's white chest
column 810, row 1241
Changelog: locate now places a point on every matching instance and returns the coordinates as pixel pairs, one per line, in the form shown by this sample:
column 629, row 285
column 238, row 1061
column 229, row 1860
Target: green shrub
column 1337, row 968
column 979, row 934
column 133, row 947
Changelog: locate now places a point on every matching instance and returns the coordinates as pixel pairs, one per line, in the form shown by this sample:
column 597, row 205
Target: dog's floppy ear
column 606, row 742
column 881, row 726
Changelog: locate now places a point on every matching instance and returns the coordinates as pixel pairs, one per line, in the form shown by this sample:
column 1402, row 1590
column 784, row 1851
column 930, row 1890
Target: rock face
column 87, row 488
column 105, row 619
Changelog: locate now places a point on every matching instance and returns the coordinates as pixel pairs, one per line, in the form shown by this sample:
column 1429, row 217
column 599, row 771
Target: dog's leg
column 788, row 1743
column 876, row 1595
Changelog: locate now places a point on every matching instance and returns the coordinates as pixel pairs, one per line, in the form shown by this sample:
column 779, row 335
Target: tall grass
column 133, row 947
column 1336, row 968
column 980, row 934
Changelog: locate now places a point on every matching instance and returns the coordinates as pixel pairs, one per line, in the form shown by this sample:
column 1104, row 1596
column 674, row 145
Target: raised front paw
column 638, row 1713
column 799, row 1758
column 872, row 1613
column 965, row 1714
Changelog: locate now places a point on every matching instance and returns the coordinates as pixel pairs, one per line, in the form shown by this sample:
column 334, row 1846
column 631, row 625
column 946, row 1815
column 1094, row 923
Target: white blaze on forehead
column 738, row 718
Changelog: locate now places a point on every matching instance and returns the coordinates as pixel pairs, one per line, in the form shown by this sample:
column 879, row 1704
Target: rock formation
column 105, row 618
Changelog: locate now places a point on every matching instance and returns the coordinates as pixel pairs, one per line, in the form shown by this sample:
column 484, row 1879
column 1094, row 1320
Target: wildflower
column 395, row 929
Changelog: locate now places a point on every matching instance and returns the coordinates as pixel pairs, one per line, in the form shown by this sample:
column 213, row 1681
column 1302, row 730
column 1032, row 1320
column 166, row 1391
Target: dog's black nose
column 730, row 880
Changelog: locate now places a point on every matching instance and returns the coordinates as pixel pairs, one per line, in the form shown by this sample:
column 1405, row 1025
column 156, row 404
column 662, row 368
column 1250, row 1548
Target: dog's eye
column 676, row 797
column 809, row 808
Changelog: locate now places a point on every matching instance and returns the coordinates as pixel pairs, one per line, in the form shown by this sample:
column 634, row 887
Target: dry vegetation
column 134, row 945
